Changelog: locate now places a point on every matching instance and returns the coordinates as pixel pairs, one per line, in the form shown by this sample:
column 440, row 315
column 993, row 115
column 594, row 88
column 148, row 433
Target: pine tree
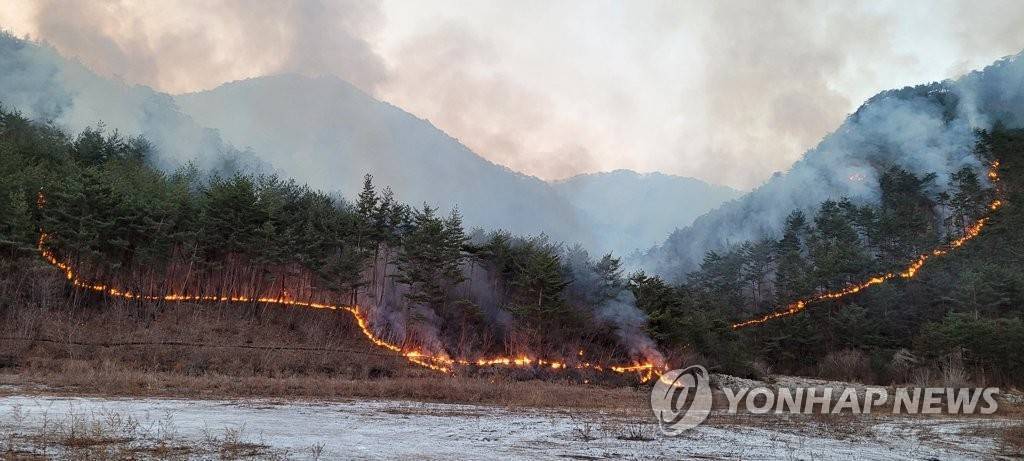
column 610, row 283
column 420, row 257
column 720, row 278
column 366, row 205
column 232, row 218
column 791, row 281
column 968, row 200
column 540, row 276
column 906, row 223
column 758, row 267
column 835, row 247
column 453, row 240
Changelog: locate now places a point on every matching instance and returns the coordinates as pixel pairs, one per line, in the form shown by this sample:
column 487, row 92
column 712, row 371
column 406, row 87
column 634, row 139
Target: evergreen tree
column 452, row 242
column 793, row 270
column 968, row 200
column 758, row 269
column 609, row 277
column 420, row 257
column 720, row 278
column 232, row 218
column 835, row 248
column 906, row 223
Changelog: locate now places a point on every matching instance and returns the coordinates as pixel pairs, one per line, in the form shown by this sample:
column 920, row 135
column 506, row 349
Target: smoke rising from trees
column 924, row 129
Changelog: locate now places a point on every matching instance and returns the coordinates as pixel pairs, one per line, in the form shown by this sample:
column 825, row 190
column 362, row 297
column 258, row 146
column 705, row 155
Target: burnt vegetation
column 472, row 293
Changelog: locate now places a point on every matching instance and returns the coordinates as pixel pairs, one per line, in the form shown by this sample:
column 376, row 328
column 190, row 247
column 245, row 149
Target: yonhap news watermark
column 683, row 399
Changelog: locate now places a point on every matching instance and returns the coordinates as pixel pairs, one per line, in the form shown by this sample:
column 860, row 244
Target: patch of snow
column 410, row 430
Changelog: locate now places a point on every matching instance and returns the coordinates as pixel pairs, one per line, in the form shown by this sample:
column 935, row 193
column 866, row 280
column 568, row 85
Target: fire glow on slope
column 909, row 272
column 437, row 362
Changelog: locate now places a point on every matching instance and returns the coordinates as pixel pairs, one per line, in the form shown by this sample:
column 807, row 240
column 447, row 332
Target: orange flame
column 909, row 272
column 437, row 362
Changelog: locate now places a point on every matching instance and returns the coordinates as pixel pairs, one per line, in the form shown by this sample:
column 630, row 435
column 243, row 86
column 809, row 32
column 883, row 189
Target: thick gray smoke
column 42, row 85
column 596, row 284
column 923, row 129
column 632, row 211
column 201, row 44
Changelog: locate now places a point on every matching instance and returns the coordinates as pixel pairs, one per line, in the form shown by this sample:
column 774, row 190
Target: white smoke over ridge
column 44, row 86
column 923, row 129
column 321, row 131
column 192, row 44
column 723, row 90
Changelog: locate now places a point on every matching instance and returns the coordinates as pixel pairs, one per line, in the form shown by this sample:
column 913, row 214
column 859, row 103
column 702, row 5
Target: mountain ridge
column 300, row 130
column 330, row 133
column 923, row 129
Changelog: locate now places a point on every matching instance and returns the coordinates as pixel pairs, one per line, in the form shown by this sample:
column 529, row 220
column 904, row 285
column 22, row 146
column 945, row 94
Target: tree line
column 123, row 222
column 964, row 308
column 475, row 292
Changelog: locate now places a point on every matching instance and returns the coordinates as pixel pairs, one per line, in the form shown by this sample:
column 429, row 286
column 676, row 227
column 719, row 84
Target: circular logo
column 681, row 399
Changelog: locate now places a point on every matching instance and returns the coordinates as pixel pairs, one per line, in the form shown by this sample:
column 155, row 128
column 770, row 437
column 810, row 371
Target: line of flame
column 909, row 272
column 437, row 362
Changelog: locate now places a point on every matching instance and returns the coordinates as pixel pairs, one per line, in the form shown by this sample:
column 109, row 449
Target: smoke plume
column 923, row 129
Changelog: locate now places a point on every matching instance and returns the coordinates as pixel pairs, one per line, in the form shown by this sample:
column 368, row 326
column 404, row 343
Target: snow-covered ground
column 411, row 430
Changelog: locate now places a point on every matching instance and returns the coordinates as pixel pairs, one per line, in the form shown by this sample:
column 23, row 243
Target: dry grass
column 584, row 431
column 622, row 424
column 635, row 431
column 1011, row 442
column 846, row 365
column 449, row 389
column 111, row 435
column 248, row 351
column 953, row 372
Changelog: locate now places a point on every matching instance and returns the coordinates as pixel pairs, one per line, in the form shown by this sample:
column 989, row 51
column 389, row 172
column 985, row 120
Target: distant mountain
column 41, row 84
column 922, row 129
column 321, row 131
column 329, row 133
column 637, row 210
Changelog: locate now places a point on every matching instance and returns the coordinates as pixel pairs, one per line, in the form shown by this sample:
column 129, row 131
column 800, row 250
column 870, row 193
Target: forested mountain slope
column 958, row 315
column 328, row 133
column 923, row 129
column 907, row 174
column 425, row 283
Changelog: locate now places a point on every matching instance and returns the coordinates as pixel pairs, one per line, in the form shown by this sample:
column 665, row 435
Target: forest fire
column 909, row 272
column 437, row 362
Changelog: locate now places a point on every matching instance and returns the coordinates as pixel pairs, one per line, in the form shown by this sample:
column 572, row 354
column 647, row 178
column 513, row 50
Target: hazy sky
column 726, row 91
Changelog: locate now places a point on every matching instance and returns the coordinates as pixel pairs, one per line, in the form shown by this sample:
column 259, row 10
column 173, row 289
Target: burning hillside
column 909, row 272
column 439, row 362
